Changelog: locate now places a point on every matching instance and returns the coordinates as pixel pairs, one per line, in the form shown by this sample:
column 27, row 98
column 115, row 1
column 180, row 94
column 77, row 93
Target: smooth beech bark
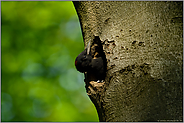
column 143, row 44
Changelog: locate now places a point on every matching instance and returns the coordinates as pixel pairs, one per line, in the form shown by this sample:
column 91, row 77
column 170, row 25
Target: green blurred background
column 39, row 82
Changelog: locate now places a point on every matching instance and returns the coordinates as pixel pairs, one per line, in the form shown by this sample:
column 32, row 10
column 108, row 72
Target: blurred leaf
column 39, row 43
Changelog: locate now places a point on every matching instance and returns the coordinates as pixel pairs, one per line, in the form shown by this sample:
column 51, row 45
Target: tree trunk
column 143, row 44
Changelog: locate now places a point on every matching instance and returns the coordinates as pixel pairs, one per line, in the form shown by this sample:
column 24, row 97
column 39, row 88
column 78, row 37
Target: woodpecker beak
column 88, row 47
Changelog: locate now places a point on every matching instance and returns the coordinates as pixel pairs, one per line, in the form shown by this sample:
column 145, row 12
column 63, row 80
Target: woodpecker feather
column 96, row 66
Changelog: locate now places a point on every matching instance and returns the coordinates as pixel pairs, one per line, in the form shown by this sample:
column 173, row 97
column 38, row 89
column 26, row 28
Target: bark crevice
column 143, row 44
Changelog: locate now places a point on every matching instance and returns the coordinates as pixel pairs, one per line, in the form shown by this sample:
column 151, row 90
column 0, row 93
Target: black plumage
column 93, row 64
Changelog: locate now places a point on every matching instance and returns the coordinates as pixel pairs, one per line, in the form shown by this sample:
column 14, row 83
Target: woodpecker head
column 92, row 61
column 83, row 60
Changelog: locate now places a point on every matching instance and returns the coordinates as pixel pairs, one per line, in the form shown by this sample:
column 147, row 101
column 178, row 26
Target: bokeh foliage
column 39, row 43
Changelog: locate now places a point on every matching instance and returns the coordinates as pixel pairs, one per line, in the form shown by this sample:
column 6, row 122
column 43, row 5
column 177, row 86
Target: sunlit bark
column 143, row 44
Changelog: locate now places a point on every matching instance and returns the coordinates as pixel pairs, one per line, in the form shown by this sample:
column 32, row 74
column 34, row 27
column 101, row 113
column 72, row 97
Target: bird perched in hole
column 91, row 63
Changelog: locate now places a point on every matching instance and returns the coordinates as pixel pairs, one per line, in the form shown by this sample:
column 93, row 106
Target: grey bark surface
column 143, row 44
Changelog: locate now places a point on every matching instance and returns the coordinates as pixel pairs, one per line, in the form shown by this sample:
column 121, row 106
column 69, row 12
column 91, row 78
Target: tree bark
column 143, row 44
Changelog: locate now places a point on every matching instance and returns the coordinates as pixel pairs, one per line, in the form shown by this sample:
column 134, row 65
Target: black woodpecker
column 85, row 62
